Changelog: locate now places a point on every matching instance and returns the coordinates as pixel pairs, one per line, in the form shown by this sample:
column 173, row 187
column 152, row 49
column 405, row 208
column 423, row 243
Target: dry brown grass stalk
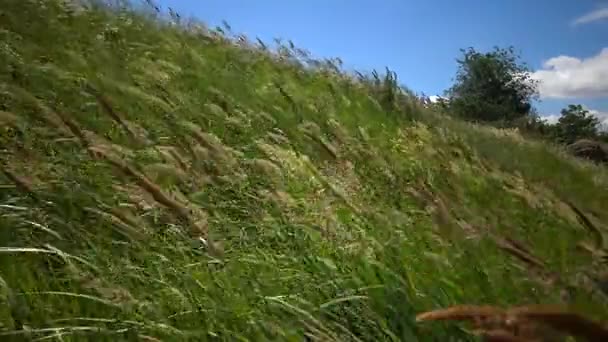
column 158, row 171
column 67, row 121
column 563, row 320
column 93, row 139
column 314, row 132
column 116, row 294
column 207, row 140
column 200, row 153
column 277, row 138
column 341, row 134
column 46, row 114
column 22, row 183
column 178, row 158
column 127, row 228
column 327, row 147
column 76, row 130
column 224, row 158
column 586, row 222
column 127, row 216
column 335, row 191
column 8, row 119
column 189, row 216
column 310, row 129
column 520, row 252
column 592, row 249
column 266, row 167
column 139, row 199
column 523, row 323
column 108, row 108
column 177, row 208
column 442, row 213
column 533, row 265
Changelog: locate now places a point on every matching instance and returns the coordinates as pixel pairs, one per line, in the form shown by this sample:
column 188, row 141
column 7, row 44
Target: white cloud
column 570, row 77
column 551, row 119
column 601, row 115
column 598, row 14
column 436, row 98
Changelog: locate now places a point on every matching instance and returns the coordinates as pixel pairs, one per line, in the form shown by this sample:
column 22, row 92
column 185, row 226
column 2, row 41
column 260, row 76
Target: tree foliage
column 576, row 123
column 492, row 86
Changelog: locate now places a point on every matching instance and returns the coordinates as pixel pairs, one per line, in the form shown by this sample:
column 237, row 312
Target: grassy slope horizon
column 166, row 184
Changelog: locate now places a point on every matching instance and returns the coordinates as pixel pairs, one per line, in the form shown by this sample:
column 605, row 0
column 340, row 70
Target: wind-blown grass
column 166, row 182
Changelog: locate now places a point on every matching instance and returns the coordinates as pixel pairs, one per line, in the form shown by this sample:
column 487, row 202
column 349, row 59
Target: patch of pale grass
column 162, row 173
column 214, row 109
column 267, row 168
column 225, row 159
column 8, row 119
column 138, row 93
column 178, row 157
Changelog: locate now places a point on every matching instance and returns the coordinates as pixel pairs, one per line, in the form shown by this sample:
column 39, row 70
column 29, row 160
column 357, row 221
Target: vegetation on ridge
column 492, row 87
column 170, row 182
column 495, row 88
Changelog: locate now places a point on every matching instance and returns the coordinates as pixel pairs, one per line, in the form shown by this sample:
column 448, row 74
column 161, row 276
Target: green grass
column 321, row 205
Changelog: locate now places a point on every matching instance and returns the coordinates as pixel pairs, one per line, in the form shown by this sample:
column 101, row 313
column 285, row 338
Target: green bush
column 492, row 86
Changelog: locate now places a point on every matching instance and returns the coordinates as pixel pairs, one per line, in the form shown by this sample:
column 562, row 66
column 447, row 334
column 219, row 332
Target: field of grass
column 167, row 183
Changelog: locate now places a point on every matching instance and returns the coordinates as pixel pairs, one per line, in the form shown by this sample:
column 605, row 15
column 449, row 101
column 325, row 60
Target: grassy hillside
column 169, row 184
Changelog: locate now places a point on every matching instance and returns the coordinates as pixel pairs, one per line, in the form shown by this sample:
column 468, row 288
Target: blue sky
column 561, row 40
